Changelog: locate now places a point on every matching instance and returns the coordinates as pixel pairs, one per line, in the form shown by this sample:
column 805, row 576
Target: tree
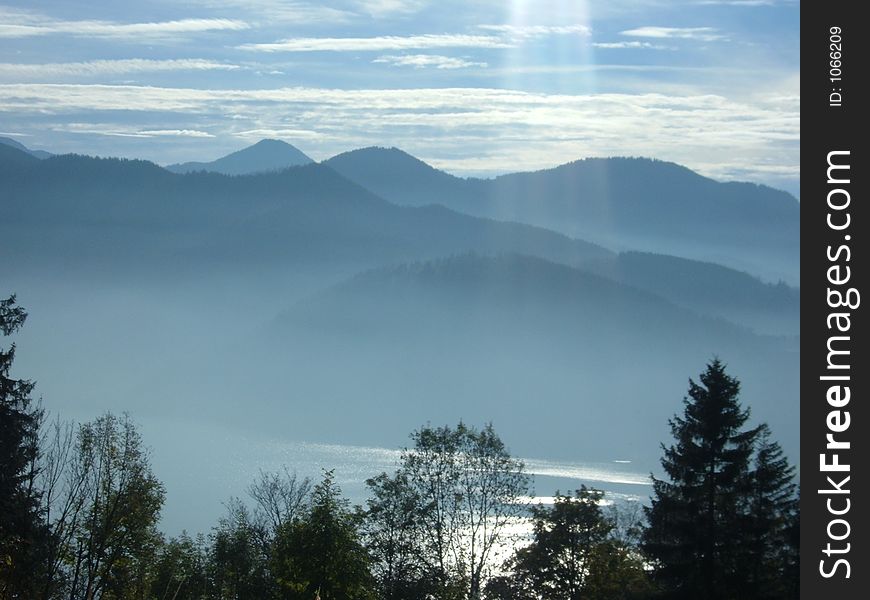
column 393, row 538
column 700, row 519
column 279, row 498
column 322, row 552
column 22, row 534
column 769, row 544
column 470, row 489
column 239, row 561
column 115, row 536
column 572, row 556
column 180, row 570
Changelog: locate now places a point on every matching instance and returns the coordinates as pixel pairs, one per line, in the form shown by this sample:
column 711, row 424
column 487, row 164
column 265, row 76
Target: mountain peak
column 265, row 155
column 5, row 141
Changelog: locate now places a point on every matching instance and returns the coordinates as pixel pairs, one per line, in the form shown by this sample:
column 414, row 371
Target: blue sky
column 476, row 88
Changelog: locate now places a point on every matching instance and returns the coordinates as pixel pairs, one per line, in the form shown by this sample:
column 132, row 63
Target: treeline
column 80, row 506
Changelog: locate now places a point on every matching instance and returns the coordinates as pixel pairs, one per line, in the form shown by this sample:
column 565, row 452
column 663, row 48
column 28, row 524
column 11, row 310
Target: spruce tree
column 769, row 546
column 696, row 514
column 21, row 530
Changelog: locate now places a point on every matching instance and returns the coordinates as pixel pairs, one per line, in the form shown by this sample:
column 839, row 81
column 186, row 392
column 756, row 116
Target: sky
column 475, row 88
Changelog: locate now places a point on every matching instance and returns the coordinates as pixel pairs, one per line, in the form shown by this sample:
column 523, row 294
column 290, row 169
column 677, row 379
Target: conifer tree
column 769, row 550
column 695, row 518
column 21, row 530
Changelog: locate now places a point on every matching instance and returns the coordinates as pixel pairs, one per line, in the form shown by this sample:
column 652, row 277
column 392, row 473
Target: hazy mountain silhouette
column 622, row 203
column 401, row 178
column 18, row 145
column 570, row 348
column 109, row 209
column 265, row 155
column 119, row 213
column 709, row 289
column 552, row 351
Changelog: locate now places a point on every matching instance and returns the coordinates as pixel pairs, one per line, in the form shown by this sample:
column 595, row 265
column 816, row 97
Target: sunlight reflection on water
column 203, row 465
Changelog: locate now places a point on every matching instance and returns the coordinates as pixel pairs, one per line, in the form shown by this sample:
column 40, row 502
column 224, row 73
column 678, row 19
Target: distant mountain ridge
column 304, row 215
column 621, row 203
column 543, row 346
column 19, row 146
column 395, row 314
column 311, row 214
column 265, row 155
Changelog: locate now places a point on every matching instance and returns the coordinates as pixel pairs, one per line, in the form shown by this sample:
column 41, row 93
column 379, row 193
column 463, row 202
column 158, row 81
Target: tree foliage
column 572, row 556
column 469, row 489
column 393, row 535
column 321, row 554
column 712, row 520
column 116, row 535
column 22, row 534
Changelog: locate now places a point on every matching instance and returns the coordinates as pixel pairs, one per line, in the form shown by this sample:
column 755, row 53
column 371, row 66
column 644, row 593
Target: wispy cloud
column 131, row 132
column 740, row 2
column 278, row 133
column 380, row 43
column 632, row 44
column 280, row 11
column 420, row 61
column 386, row 8
column 96, row 68
column 468, row 130
column 21, row 24
column 705, row 34
column 536, row 31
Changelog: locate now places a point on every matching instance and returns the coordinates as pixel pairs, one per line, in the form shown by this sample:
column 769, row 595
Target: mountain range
column 5, row 141
column 620, row 203
column 375, row 289
column 265, row 155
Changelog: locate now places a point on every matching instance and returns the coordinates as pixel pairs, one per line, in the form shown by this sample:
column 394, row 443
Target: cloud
column 175, row 133
column 632, row 44
column 281, row 11
column 419, row 61
column 502, row 36
column 739, row 2
column 20, row 24
column 385, row 8
column 380, row 43
column 536, row 31
column 705, row 34
column 283, row 133
column 132, row 132
column 465, row 130
column 96, row 68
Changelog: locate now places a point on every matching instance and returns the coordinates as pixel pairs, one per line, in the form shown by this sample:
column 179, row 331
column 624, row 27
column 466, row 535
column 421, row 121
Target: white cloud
column 536, row 31
column 132, row 132
column 109, row 67
column 386, row 8
column 175, row 133
column 632, row 44
column 280, row 11
column 19, row 24
column 420, row 61
column 705, row 34
column 739, row 2
column 501, row 36
column 467, row 130
column 380, row 43
column 279, row 133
